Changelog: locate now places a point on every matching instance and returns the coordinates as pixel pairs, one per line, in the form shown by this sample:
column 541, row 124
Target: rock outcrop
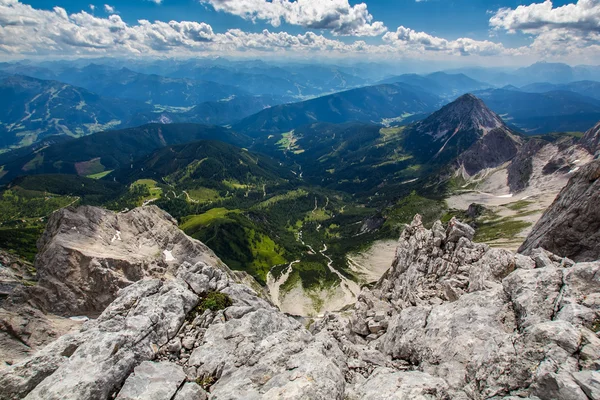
column 460, row 320
column 570, row 227
column 87, row 254
column 591, row 139
column 492, row 150
column 451, row 319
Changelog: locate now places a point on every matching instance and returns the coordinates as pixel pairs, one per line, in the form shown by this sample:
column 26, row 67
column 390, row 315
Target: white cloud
column 92, row 7
column 583, row 16
column 156, row 1
column 408, row 39
column 109, row 9
column 27, row 31
column 337, row 16
column 569, row 30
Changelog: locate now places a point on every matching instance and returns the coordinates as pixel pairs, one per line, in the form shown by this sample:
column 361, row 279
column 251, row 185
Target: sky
column 471, row 32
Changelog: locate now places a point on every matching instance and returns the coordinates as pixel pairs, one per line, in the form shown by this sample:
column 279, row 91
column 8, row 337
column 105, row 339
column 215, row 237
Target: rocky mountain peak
column 466, row 113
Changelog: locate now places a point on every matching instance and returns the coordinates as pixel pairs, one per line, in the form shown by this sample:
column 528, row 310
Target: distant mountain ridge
column 31, row 109
column 367, row 104
column 440, row 83
column 538, row 113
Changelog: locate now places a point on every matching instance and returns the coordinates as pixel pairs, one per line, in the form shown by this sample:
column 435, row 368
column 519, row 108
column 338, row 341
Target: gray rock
column 387, row 384
column 457, row 230
column 589, row 382
column 188, row 343
column 570, row 227
column 86, row 255
column 191, row 391
column 93, row 362
column 152, row 381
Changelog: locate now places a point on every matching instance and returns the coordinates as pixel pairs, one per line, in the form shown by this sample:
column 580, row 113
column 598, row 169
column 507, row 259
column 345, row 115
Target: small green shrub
column 213, row 301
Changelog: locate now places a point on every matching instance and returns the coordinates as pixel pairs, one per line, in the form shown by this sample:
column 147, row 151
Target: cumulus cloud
column 409, row 39
column 109, row 9
column 582, row 16
column 26, row 30
column 337, row 16
column 557, row 31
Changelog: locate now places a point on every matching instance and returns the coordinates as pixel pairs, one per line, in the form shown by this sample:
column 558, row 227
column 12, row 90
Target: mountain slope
column 31, row 109
column 537, row 113
column 368, row 104
column 152, row 89
column 585, row 88
column 105, row 151
column 454, row 129
column 591, row 139
column 570, row 227
column 440, row 83
column 223, row 112
column 204, row 163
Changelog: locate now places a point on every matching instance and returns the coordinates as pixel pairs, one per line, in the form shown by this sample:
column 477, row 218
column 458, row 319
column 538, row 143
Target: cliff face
column 451, row 319
column 571, row 225
column 591, row 139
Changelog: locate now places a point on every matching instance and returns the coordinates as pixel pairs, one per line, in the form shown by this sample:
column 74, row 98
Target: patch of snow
column 410, row 181
column 117, row 236
column 168, row 256
column 81, row 318
column 506, row 196
column 574, row 170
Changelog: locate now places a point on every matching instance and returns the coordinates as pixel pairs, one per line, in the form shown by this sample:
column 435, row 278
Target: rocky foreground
column 451, row 319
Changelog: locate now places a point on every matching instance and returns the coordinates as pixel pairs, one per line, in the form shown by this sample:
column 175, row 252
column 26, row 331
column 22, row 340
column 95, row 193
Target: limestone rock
column 152, row 381
column 95, row 361
column 87, row 254
column 570, row 227
column 191, row 391
column 589, row 382
column 591, row 139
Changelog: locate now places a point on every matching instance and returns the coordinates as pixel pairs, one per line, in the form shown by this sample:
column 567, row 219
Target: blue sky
column 438, row 29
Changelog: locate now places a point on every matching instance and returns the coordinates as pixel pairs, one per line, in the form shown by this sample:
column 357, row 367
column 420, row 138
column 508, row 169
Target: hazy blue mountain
column 124, row 83
column 31, row 109
column 586, row 88
column 223, row 112
column 536, row 113
column 440, row 83
column 367, row 104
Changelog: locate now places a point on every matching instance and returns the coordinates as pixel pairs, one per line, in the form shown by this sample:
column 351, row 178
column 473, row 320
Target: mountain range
column 31, row 109
column 84, row 96
column 369, row 104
